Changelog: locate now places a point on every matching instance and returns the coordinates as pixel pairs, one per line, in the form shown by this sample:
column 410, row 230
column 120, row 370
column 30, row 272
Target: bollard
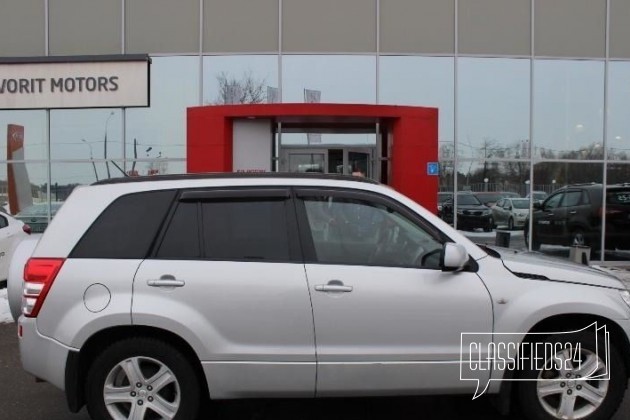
column 502, row 238
column 580, row 254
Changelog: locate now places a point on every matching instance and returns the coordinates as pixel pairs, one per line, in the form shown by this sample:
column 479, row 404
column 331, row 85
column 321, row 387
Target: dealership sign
column 74, row 82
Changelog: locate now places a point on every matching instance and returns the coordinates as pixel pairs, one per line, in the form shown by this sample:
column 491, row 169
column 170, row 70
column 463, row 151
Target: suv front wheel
column 142, row 378
column 574, row 386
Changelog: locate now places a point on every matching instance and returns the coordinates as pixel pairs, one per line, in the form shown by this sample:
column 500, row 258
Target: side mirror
column 538, row 205
column 454, row 257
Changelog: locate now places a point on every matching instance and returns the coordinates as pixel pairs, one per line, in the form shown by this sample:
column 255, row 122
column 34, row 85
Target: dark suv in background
column 471, row 213
column 572, row 215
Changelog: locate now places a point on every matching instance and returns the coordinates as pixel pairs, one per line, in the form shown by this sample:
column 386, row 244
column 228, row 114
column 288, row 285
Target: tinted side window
column 553, row 201
column 126, row 229
column 3, row 222
column 246, row 229
column 181, row 239
column 572, row 198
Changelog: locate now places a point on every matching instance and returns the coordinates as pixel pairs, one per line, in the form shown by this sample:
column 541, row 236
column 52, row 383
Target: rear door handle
column 166, row 281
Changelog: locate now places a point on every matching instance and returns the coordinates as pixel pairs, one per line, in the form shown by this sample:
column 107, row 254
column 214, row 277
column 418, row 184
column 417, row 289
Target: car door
column 387, row 319
column 498, row 213
column 228, row 276
column 548, row 221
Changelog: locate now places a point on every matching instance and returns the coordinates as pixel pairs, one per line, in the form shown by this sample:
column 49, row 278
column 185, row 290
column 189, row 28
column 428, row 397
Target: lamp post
column 111, row 114
column 527, row 189
column 485, row 184
column 91, row 158
column 553, row 185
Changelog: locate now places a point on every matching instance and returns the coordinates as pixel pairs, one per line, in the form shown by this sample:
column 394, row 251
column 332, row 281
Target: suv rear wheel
column 574, row 386
column 535, row 244
column 142, row 378
column 578, row 237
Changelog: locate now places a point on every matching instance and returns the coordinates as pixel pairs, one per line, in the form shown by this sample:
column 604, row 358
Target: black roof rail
column 237, row 175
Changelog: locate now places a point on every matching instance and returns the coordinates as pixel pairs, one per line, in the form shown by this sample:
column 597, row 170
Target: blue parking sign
column 433, row 168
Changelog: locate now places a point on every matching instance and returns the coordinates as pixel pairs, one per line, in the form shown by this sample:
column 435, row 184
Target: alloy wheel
column 141, row 388
column 573, row 388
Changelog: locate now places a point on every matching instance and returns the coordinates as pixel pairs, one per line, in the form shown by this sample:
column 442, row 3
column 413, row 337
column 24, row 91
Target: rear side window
column 254, row 230
column 181, row 239
column 572, row 198
column 127, row 228
column 228, row 229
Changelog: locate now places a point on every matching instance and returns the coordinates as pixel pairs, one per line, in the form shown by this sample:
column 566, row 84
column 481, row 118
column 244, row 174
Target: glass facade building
column 532, row 94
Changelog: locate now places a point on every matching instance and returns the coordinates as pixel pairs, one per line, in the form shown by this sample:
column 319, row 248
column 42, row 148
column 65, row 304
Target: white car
column 12, row 232
column 511, row 212
column 146, row 296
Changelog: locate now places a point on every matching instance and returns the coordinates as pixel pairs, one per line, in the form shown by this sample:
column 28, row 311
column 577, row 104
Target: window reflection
column 329, row 78
column 28, row 185
column 160, row 131
column 574, row 193
column 240, row 79
column 568, row 109
column 31, row 126
column 488, row 200
column 493, row 119
column 618, row 135
column 421, row 81
column 86, row 134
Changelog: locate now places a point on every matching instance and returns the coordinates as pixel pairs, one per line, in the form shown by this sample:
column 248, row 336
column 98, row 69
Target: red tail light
column 39, row 274
column 26, row 228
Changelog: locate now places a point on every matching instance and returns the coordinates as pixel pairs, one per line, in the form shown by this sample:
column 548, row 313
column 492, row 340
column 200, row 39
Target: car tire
column 490, row 225
column 578, row 237
column 510, row 225
column 174, row 391
column 594, row 399
column 535, row 244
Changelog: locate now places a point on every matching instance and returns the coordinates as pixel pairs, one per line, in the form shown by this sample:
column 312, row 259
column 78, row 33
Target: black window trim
column 310, row 256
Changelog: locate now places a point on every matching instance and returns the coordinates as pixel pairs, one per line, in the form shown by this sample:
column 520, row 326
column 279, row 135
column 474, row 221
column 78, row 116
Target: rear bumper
column 42, row 356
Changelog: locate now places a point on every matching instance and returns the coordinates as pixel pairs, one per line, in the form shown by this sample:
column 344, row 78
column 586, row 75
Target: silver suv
column 147, row 296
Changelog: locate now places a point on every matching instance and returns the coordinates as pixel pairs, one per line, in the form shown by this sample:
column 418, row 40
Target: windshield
column 468, row 199
column 442, row 197
column 520, row 204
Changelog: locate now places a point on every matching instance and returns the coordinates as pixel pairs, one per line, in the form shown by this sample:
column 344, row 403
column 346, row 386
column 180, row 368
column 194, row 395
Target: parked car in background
column 442, row 197
column 471, row 213
column 12, row 231
column 537, row 195
column 572, row 215
column 490, row 198
column 511, row 212
column 36, row 215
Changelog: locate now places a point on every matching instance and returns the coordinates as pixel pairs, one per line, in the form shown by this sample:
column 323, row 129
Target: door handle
column 166, row 281
column 333, row 286
column 573, row 212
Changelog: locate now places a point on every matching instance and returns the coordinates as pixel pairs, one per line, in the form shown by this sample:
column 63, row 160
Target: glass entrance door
column 306, row 161
column 346, row 161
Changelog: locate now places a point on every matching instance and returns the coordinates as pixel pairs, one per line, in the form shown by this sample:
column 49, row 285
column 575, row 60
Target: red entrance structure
column 407, row 141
